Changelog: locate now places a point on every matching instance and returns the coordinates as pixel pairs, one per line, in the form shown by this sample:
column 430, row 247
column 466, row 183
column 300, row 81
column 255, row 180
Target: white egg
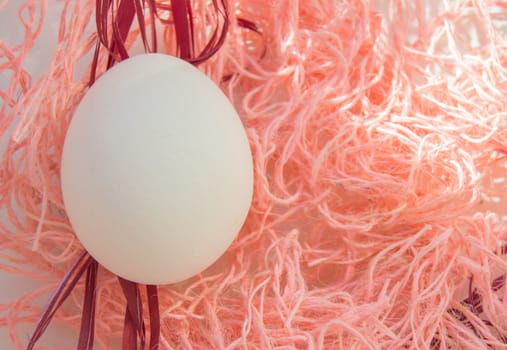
column 157, row 173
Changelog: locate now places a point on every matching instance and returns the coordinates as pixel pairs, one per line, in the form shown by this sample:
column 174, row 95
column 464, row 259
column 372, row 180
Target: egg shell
column 156, row 171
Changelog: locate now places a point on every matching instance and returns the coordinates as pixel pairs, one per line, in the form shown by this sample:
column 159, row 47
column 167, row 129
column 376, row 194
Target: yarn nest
column 378, row 133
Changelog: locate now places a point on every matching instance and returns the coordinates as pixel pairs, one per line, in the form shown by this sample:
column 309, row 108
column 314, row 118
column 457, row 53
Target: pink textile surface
column 378, row 132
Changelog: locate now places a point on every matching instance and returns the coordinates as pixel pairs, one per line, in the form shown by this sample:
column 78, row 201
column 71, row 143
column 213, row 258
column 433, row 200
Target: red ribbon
column 114, row 19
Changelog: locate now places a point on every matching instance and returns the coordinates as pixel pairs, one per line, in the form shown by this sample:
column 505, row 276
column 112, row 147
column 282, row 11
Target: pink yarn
column 378, row 134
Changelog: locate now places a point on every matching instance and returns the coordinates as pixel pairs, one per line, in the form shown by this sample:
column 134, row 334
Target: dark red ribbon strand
column 152, row 6
column 142, row 25
column 134, row 309
column 129, row 338
column 118, row 15
column 95, row 62
column 134, row 333
column 153, row 308
column 122, row 20
column 191, row 30
column 183, row 27
column 60, row 294
column 87, row 332
column 101, row 19
column 245, row 23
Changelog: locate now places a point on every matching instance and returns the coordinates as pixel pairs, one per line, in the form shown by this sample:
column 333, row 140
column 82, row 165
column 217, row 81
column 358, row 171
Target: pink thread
column 377, row 135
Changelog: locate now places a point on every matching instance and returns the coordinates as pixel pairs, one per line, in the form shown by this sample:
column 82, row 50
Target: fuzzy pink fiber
column 378, row 132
